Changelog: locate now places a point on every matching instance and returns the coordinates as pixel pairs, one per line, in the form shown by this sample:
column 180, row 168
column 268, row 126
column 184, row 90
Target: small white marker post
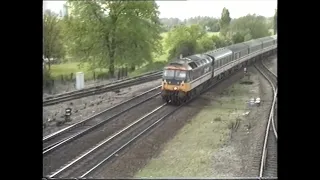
column 79, row 80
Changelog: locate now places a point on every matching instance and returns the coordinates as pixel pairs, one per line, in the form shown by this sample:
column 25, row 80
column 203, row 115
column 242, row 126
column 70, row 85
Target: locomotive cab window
column 168, row 73
column 174, row 74
column 180, row 75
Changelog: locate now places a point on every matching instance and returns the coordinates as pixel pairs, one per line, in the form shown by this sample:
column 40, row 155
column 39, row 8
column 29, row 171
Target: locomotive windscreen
column 174, row 74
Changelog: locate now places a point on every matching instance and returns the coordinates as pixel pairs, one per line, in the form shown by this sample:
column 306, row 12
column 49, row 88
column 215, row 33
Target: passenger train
column 186, row 77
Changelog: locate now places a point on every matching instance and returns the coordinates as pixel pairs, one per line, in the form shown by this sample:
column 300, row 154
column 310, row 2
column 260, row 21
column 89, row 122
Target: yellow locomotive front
column 175, row 88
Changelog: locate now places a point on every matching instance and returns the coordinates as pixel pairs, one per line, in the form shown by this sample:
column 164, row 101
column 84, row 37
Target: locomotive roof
column 184, row 62
column 219, row 53
column 237, row 47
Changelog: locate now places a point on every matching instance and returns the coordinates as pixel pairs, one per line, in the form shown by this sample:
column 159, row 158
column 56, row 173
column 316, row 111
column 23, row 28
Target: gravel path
column 139, row 154
column 89, row 106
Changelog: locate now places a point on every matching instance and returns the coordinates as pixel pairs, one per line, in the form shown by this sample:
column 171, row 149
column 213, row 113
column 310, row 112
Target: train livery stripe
column 200, row 80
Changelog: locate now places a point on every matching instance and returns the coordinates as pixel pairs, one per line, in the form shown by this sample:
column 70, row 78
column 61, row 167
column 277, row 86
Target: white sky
column 191, row 8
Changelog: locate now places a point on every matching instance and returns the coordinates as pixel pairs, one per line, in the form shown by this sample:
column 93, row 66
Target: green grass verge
column 190, row 152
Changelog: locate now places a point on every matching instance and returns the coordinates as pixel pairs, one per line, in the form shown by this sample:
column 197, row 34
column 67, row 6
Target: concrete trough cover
column 258, row 100
column 252, row 101
column 246, row 113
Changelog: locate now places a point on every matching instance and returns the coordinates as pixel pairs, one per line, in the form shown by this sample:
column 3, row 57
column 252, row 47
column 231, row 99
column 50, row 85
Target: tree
column 254, row 25
column 114, row 33
column 52, row 38
column 224, row 21
column 237, row 38
column 183, row 40
column 220, row 42
column 275, row 22
column 205, row 44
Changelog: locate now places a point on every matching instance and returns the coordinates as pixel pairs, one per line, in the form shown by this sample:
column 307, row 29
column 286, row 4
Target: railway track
column 109, row 147
column 86, row 163
column 102, row 88
column 268, row 163
column 59, row 138
column 63, row 146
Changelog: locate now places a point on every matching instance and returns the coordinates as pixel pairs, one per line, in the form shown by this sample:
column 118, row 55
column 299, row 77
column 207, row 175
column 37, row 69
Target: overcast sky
column 191, row 8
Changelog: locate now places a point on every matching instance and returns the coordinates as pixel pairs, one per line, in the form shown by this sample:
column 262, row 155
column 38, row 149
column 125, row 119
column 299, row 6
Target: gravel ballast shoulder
column 88, row 106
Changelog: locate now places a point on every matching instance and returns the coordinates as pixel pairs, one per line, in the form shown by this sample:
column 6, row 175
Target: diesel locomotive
column 186, row 77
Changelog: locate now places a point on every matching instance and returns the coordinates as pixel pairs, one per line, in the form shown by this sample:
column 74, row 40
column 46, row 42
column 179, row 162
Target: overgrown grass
column 158, row 65
column 190, row 152
column 66, row 69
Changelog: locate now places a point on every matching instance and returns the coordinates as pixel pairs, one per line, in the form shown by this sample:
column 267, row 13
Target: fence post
column 122, row 72
column 126, row 70
column 119, row 74
column 62, row 79
column 71, row 76
column 94, row 76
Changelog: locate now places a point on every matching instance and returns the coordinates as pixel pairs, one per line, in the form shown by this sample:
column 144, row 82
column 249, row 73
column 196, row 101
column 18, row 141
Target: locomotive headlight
column 175, row 88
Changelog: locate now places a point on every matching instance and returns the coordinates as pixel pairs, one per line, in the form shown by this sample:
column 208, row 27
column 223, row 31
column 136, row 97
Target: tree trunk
column 111, row 56
column 133, row 67
column 111, row 67
column 49, row 65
